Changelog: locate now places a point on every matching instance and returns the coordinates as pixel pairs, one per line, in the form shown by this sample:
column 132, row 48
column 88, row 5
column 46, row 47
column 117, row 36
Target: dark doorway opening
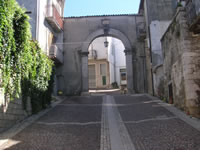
column 170, row 88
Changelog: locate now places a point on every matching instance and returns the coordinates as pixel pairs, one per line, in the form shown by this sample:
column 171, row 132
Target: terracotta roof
column 103, row 15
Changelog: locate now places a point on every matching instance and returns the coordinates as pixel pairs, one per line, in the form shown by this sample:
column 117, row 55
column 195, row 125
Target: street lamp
column 106, row 43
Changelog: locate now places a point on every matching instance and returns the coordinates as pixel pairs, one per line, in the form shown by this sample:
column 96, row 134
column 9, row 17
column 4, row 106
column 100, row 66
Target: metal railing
column 92, row 54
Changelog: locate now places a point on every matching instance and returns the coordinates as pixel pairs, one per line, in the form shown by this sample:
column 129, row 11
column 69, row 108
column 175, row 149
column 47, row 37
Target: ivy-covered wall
column 25, row 70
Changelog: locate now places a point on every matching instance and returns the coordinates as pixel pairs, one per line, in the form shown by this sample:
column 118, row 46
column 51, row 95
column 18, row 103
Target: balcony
column 56, row 54
column 54, row 18
column 193, row 15
column 92, row 54
column 141, row 31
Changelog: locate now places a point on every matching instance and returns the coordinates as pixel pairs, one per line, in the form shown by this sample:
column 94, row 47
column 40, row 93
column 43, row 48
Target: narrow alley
column 109, row 122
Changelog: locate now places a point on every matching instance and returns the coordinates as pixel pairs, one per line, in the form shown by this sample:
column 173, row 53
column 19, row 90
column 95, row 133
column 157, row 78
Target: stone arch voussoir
column 112, row 32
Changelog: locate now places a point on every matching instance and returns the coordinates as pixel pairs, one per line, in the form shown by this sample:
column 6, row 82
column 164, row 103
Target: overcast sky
column 100, row 7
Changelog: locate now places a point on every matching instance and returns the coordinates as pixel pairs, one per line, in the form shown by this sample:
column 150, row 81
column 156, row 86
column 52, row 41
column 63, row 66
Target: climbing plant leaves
column 25, row 70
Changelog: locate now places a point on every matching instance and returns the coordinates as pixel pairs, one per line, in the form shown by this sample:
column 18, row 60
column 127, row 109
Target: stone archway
column 79, row 32
column 128, row 51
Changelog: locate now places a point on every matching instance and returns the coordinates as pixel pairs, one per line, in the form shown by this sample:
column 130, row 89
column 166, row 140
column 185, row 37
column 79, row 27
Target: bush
column 115, row 85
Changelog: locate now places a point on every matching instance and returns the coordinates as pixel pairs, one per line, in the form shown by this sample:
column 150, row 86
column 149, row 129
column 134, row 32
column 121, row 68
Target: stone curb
column 194, row 122
column 5, row 136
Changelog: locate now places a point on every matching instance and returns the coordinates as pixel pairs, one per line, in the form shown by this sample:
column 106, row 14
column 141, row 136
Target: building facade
column 181, row 48
column 157, row 15
column 98, row 64
column 172, row 40
column 107, row 64
column 118, row 62
column 46, row 19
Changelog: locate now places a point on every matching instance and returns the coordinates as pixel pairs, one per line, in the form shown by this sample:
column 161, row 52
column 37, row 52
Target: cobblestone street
column 107, row 122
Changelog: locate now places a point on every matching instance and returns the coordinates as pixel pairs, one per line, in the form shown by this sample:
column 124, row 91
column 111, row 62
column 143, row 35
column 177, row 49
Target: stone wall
column 11, row 112
column 181, row 50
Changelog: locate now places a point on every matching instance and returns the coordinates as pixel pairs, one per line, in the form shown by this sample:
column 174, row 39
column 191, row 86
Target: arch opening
column 107, row 65
column 127, row 70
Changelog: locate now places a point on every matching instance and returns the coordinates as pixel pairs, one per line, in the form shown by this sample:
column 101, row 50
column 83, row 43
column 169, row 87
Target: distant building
column 117, row 62
column 106, row 64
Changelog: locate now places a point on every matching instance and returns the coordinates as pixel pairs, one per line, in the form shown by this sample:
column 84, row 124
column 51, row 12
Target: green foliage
column 179, row 4
column 38, row 84
column 115, row 85
column 25, row 69
column 7, row 45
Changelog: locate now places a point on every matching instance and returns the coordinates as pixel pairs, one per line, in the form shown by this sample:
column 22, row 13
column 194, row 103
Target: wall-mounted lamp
column 106, row 43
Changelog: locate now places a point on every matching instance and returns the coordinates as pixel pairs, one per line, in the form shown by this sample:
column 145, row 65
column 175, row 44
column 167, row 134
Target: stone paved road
column 107, row 122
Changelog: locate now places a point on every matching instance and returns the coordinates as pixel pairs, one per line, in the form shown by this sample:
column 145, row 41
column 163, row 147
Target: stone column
column 129, row 69
column 84, row 61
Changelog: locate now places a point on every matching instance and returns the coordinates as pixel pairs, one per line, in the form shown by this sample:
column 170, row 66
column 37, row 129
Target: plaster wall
column 31, row 6
column 111, row 59
column 157, row 29
column 98, row 46
column 41, row 30
column 120, row 59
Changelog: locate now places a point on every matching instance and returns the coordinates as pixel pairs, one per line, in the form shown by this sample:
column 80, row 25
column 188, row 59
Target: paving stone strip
column 80, row 105
column 105, row 134
column 119, row 137
column 69, row 123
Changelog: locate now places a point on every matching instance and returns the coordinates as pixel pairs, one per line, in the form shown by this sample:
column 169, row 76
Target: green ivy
column 7, row 45
column 38, row 85
column 26, row 71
